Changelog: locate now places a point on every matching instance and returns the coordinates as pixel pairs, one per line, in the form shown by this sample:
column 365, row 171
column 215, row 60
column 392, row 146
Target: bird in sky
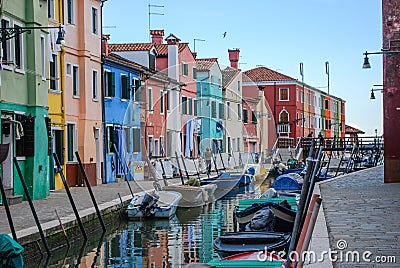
column 224, row 35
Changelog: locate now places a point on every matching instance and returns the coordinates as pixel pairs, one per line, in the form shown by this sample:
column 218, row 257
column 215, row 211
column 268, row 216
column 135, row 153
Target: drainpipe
column 103, row 111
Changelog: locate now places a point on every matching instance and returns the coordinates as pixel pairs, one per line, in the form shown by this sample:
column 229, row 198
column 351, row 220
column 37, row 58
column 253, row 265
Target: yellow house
column 56, row 76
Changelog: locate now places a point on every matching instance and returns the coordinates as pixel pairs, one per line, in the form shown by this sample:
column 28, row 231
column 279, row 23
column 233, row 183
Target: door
column 7, row 130
column 96, row 133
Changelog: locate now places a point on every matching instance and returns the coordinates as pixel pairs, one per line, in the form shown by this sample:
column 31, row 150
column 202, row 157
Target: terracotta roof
column 228, row 74
column 264, row 74
column 205, row 64
column 352, row 130
column 162, row 49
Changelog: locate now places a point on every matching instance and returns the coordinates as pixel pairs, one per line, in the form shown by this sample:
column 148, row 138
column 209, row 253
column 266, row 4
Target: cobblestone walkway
column 363, row 214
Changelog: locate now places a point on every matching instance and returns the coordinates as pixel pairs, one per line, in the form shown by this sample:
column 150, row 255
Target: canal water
column 186, row 238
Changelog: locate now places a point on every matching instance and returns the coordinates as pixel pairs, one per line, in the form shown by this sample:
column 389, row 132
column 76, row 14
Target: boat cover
column 10, row 252
column 263, row 220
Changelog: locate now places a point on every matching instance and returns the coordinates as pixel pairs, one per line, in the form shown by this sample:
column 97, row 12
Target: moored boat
column 161, row 204
column 225, row 183
column 192, row 196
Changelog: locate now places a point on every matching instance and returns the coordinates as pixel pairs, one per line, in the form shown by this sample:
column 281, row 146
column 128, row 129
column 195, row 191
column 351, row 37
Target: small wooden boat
column 193, row 196
column 162, row 204
column 232, row 243
column 225, row 183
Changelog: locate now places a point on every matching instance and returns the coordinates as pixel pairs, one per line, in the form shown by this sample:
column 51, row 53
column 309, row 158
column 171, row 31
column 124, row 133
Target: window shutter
column 136, row 140
column 111, row 84
column 59, row 144
column 128, row 88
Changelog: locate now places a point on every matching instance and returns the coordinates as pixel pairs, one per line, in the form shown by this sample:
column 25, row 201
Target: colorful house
column 122, row 115
column 232, row 99
column 211, row 107
column 298, row 109
column 82, row 91
column 23, row 98
column 56, row 85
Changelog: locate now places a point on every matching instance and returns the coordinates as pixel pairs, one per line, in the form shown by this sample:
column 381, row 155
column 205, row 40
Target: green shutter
column 128, row 88
column 111, row 84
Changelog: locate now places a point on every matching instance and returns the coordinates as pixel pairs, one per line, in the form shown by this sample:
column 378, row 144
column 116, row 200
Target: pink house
column 83, row 91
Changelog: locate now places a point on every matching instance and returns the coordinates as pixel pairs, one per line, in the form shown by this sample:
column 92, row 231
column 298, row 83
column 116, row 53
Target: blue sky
column 278, row 34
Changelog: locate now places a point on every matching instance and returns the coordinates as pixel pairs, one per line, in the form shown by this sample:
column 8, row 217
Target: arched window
column 284, row 117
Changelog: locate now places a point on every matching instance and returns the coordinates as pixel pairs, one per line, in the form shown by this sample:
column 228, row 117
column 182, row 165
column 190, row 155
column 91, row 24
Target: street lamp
column 375, row 89
column 367, row 65
column 302, row 81
column 11, row 32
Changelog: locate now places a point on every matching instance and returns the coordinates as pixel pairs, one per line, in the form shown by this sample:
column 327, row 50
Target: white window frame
column 74, row 142
column 120, row 79
column 162, row 103
column 95, row 85
column 156, row 147
column 20, row 69
column 77, row 82
column 288, row 94
column 95, row 26
column 7, row 65
column 68, row 65
column 228, row 110
column 72, row 12
column 239, row 114
column 55, row 78
column 43, row 56
column 187, row 67
column 162, row 149
column 52, row 6
column 150, row 145
column 239, row 85
column 297, row 94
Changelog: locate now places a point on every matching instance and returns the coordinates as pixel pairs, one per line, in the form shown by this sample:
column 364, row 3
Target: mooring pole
column 215, row 164
column 5, row 203
column 164, row 175
column 184, row 166
column 71, row 200
column 197, row 171
column 126, row 169
column 179, row 167
column 28, row 197
column 90, row 191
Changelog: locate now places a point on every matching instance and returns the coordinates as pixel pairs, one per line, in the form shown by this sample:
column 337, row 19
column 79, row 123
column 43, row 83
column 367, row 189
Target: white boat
column 193, row 196
column 160, row 204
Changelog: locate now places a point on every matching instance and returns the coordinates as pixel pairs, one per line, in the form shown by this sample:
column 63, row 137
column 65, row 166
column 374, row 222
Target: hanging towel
column 187, row 144
column 191, row 132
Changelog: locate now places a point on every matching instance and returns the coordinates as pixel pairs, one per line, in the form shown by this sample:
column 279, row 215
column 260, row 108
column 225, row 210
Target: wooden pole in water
column 179, row 168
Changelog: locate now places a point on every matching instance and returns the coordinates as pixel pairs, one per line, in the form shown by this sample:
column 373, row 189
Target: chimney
column 172, row 39
column 234, row 57
column 104, row 43
column 157, row 36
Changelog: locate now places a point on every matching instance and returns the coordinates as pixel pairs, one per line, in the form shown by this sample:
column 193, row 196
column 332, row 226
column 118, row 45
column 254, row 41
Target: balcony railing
column 283, row 128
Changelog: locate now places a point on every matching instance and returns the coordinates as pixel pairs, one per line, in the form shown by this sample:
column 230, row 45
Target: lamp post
column 367, row 65
column 303, row 100
column 11, row 32
column 327, row 72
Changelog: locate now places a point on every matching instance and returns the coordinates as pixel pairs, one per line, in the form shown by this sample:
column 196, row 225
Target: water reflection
column 187, row 237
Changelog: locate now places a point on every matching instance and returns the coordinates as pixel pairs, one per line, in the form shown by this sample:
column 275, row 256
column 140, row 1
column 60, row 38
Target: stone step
column 9, row 191
column 14, row 199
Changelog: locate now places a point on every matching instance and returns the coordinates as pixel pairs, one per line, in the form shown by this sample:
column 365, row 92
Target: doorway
column 7, row 136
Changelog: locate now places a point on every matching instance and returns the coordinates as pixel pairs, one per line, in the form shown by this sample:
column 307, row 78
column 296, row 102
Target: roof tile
column 264, row 74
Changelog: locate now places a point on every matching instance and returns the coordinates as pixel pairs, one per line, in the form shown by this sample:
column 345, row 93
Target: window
column 229, row 145
column 75, row 81
column 302, row 96
column 150, row 96
column 239, row 112
column 136, row 89
column 297, row 118
column 156, row 147
column 53, row 80
column 150, row 145
column 284, row 117
column 233, row 144
column 253, row 117
column 194, row 73
column 71, row 141
column 125, row 87
column 168, row 99
column 128, row 140
column 109, row 84
column 245, row 116
column 68, row 71
column 112, row 138
column 58, row 144
column 221, row 111
column 283, row 94
column 238, row 86
column 196, row 102
column 326, row 104
column 50, row 9
column 136, row 140
column 161, row 146
column 214, row 109
column 185, row 70
column 70, row 11
column 6, row 44
column 190, row 107
column 238, row 144
column 43, row 56
column 162, row 101
column 152, row 61
column 18, row 50
column 95, row 28
column 184, row 105
column 228, row 110
column 297, row 94
column 95, row 87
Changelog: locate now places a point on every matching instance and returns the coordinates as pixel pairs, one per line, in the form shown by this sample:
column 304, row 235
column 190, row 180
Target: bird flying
column 224, row 35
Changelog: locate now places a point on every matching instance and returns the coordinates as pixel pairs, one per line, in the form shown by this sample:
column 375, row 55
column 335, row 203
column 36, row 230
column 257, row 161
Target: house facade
column 298, row 109
column 83, row 112
column 122, row 116
column 24, row 101
column 211, row 108
column 232, row 99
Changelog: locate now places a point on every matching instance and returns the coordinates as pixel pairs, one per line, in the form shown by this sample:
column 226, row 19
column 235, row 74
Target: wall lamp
column 367, row 65
column 11, row 32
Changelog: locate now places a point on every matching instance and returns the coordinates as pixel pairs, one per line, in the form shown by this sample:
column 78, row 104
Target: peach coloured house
column 83, row 114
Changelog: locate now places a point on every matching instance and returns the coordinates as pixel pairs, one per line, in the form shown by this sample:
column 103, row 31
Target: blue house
column 122, row 117
column 211, row 108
